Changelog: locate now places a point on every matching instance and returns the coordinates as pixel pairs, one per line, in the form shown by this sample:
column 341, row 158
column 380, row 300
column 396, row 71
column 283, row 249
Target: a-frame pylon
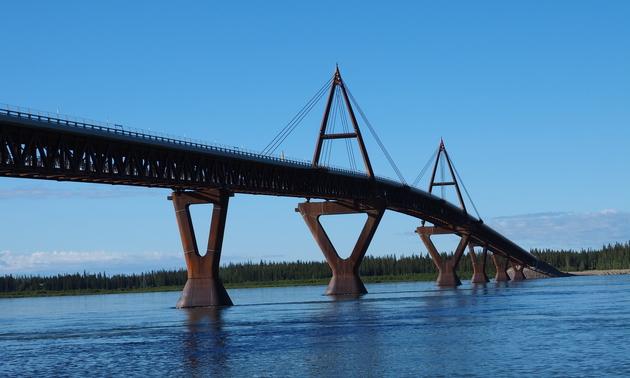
column 337, row 84
column 447, row 275
column 345, row 272
column 433, row 183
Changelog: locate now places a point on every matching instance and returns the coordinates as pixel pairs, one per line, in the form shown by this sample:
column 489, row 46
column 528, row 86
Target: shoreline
column 282, row 283
column 610, row 272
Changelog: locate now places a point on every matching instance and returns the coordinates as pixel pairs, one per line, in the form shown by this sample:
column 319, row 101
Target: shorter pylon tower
column 447, row 275
column 453, row 182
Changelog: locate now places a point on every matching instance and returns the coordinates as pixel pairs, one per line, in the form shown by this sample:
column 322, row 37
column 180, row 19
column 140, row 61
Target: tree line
column 93, row 282
column 609, row 257
column 615, row 256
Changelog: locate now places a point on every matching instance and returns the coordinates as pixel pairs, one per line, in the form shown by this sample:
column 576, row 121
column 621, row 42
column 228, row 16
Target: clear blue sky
column 531, row 99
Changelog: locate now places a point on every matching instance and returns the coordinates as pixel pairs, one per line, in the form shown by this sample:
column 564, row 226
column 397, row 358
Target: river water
column 562, row 327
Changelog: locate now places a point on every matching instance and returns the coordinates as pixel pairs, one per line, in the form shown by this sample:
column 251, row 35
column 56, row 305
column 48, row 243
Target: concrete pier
column 517, row 271
column 447, row 275
column 501, row 266
column 345, row 279
column 479, row 268
column 203, row 287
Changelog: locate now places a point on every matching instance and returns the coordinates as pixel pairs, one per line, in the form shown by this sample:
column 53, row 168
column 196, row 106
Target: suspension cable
column 288, row 129
column 426, row 167
column 346, row 129
column 465, row 190
column 378, row 140
column 330, row 128
column 443, row 175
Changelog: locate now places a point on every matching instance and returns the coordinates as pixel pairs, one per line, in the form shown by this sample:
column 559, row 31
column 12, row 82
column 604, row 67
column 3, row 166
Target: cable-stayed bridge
column 44, row 146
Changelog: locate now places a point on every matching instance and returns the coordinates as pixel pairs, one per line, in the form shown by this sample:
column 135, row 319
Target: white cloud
column 565, row 230
column 561, row 230
column 53, row 263
column 255, row 257
column 97, row 261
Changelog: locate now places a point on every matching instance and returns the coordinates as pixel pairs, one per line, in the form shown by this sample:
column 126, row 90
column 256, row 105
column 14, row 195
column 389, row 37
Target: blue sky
column 531, row 99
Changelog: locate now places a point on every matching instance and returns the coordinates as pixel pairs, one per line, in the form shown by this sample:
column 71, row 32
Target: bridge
column 43, row 146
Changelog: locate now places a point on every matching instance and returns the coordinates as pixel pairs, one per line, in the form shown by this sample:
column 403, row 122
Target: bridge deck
column 43, row 147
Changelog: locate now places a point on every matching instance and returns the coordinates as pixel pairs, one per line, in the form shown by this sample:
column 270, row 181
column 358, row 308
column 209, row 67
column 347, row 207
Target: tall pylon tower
column 338, row 87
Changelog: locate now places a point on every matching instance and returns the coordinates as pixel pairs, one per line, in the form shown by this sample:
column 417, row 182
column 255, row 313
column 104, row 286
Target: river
column 560, row 327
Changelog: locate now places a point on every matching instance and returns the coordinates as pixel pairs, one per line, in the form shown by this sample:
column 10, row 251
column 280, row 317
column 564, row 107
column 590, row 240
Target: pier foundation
column 479, row 268
column 345, row 272
column 517, row 269
column 203, row 287
column 447, row 275
column 501, row 266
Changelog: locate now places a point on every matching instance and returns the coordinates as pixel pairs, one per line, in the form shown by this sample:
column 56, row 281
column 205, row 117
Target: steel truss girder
column 62, row 156
column 41, row 150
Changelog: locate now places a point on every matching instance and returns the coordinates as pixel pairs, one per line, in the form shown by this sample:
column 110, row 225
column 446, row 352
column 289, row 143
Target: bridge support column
column 203, row 287
column 345, row 279
column 502, row 275
column 518, row 271
column 479, row 269
column 447, row 275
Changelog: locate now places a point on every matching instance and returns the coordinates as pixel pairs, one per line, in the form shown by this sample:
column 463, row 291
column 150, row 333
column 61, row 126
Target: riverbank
column 611, row 272
column 280, row 283
column 244, row 285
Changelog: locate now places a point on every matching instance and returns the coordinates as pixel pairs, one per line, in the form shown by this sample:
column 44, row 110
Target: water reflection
column 347, row 333
column 479, row 286
column 555, row 328
column 205, row 342
column 346, row 297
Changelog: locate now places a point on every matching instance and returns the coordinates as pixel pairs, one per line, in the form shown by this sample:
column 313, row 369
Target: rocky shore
column 532, row 274
column 611, row 272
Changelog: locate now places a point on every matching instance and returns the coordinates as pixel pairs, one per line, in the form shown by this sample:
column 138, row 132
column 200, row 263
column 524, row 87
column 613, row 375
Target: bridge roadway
column 47, row 147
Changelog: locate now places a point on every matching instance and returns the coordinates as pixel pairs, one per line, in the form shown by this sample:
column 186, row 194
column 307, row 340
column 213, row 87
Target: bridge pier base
column 345, row 272
column 203, row 287
column 447, row 275
column 502, row 275
column 479, row 269
column 345, row 279
column 518, row 271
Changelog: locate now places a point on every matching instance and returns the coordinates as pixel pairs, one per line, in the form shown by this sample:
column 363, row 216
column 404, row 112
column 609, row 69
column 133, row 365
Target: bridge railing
column 84, row 123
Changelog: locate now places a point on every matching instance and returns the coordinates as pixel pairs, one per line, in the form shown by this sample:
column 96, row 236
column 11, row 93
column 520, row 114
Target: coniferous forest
column 390, row 268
